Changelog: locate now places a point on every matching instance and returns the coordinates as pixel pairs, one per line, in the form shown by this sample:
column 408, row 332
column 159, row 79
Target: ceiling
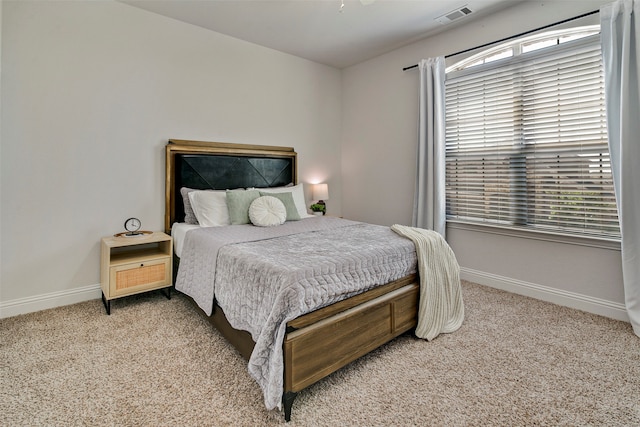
column 323, row 31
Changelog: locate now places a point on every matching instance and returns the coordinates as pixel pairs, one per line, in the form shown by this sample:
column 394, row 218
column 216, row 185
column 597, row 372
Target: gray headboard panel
column 221, row 166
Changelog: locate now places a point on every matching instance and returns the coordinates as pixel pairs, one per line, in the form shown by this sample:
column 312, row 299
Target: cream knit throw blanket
column 441, row 309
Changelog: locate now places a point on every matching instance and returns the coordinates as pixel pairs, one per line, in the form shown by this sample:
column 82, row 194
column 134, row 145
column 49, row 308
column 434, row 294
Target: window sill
column 569, row 239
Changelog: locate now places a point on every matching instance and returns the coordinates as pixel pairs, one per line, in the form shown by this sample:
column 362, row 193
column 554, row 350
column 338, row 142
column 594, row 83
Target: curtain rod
column 513, row 37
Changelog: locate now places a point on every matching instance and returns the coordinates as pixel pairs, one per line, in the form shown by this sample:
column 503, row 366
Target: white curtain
column 429, row 199
column 621, row 54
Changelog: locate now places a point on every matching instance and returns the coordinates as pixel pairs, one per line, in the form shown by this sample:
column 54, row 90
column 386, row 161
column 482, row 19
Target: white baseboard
column 586, row 303
column 51, row 300
column 613, row 310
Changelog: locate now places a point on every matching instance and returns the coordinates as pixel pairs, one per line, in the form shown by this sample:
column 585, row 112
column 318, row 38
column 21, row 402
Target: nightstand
column 131, row 265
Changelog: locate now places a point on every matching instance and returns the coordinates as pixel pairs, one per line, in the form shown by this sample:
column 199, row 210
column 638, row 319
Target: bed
column 317, row 343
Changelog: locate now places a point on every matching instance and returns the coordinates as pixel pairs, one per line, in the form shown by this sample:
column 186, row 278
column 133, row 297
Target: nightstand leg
column 168, row 293
column 107, row 304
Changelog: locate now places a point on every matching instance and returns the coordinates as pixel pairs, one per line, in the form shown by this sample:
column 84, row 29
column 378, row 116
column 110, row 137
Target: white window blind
column 526, row 143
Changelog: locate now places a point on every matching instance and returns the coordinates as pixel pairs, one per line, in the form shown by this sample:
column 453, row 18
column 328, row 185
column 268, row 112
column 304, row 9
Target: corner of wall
column 1, row 127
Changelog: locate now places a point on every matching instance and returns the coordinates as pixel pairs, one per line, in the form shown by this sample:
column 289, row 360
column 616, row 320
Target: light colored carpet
column 155, row 362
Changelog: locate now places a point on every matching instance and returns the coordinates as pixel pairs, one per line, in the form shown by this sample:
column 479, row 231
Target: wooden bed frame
column 318, row 343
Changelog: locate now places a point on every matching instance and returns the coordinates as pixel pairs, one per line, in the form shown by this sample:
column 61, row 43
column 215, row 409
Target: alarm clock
column 132, row 225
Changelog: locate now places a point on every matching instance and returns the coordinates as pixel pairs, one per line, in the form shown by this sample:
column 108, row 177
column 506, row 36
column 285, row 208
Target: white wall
column 380, row 107
column 92, row 91
column 0, row 146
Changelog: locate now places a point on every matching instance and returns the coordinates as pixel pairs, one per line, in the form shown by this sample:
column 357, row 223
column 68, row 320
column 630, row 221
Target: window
column 526, row 137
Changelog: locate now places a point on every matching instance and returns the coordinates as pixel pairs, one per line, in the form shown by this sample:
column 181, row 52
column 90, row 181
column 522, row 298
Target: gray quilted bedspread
column 264, row 277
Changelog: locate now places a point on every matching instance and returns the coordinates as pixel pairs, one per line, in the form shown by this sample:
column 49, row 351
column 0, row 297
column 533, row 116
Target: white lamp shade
column 320, row 192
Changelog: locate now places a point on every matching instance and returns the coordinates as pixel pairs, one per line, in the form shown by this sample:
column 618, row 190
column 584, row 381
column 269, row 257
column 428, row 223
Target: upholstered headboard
column 219, row 166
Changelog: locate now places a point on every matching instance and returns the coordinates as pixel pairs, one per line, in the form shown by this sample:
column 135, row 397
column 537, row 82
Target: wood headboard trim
column 178, row 147
column 234, row 148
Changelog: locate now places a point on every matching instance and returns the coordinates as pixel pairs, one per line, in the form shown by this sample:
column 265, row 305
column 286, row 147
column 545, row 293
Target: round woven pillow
column 267, row 211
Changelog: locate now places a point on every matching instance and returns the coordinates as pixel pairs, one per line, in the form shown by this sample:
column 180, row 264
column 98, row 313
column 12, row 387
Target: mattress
column 179, row 232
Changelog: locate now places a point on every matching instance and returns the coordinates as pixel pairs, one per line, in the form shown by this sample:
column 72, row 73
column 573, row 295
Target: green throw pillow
column 238, row 202
column 287, row 201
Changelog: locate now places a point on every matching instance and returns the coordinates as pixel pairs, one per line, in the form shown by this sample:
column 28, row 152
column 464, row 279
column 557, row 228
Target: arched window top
column 525, row 45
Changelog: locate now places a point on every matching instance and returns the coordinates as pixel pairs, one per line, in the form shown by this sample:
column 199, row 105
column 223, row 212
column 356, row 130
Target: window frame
column 472, row 68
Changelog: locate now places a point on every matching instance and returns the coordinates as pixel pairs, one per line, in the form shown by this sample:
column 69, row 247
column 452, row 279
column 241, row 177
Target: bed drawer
column 328, row 345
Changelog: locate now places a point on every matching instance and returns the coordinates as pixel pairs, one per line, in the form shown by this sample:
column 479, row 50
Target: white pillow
column 267, row 211
column 297, row 191
column 210, row 207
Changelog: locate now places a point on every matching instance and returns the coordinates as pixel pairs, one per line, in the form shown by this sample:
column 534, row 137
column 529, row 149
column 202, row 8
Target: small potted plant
column 318, row 208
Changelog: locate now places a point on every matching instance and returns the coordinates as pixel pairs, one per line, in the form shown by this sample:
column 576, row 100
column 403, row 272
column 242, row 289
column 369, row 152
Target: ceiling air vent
column 454, row 14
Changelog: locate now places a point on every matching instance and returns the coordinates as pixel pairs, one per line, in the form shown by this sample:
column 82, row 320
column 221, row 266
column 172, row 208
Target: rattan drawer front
column 137, row 277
